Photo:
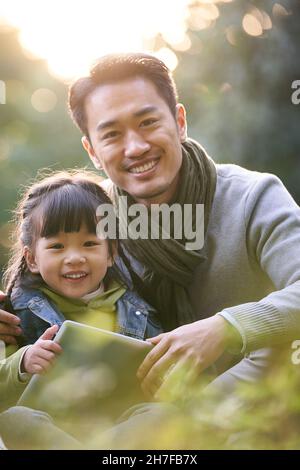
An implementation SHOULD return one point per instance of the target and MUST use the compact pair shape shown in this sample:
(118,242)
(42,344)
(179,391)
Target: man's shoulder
(236,172)
(234,176)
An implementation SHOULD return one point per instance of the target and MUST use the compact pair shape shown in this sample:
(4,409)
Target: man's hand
(197,345)
(41,355)
(9,328)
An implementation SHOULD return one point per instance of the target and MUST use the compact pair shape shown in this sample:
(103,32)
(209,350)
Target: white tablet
(94,376)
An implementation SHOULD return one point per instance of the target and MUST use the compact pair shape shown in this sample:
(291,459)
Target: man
(240,292)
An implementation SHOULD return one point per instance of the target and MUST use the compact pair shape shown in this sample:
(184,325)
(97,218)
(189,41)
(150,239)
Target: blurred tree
(235,80)
(237,87)
(35,129)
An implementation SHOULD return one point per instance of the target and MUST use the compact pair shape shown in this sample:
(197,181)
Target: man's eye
(110,135)
(148,122)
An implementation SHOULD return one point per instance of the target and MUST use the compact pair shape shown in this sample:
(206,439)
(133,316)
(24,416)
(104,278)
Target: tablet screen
(94,377)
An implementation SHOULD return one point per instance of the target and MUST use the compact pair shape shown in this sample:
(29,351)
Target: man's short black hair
(114,68)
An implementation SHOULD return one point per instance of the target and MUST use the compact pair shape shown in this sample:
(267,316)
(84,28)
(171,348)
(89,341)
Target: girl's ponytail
(18,270)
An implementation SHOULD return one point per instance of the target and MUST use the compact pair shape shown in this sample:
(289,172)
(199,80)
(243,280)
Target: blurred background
(234,63)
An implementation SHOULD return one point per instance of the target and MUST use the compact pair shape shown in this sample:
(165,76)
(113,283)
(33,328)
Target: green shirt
(99,312)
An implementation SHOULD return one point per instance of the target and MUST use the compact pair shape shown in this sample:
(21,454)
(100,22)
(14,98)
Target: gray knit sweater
(252,272)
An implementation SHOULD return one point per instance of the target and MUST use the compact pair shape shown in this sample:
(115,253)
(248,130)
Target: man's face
(135,138)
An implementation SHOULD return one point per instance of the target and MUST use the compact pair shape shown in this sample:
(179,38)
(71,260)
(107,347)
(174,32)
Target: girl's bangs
(66,210)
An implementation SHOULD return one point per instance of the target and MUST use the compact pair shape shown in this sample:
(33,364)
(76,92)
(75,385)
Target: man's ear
(30,260)
(181,122)
(89,149)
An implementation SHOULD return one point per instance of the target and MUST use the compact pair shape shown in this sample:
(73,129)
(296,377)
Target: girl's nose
(75,258)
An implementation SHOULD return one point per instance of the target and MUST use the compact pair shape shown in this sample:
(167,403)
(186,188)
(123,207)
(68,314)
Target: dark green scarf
(169,266)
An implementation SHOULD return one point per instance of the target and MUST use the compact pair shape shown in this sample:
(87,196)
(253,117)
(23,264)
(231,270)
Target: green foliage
(263,415)
(29,139)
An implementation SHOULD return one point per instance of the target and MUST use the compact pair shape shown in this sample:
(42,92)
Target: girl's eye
(56,246)
(91,243)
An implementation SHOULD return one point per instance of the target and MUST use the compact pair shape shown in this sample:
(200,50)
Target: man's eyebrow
(145,110)
(139,113)
(104,124)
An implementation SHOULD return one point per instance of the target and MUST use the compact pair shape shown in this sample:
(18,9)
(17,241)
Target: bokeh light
(251,25)
(43,100)
(70,36)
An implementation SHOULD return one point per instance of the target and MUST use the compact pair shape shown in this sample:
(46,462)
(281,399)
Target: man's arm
(272,219)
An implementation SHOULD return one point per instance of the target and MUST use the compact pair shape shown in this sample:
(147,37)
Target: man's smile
(142,168)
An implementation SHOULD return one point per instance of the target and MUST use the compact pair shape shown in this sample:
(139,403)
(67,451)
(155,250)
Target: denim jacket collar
(132,317)
(37,303)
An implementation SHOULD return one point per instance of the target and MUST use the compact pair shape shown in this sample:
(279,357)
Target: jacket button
(138,312)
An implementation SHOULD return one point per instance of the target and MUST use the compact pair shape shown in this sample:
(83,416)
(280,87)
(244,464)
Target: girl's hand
(41,355)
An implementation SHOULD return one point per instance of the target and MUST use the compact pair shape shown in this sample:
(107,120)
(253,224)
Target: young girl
(61,270)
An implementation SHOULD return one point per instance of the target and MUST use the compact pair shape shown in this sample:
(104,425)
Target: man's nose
(135,145)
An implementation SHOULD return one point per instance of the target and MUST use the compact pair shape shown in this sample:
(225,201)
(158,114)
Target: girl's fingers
(48,356)
(51,346)
(37,369)
(50,332)
(40,365)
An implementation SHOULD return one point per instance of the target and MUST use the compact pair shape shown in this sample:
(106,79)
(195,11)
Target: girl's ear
(30,260)
(111,257)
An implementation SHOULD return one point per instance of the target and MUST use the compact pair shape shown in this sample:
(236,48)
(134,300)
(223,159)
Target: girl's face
(72,264)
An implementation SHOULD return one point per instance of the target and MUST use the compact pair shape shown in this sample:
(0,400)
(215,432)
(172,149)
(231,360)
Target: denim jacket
(135,317)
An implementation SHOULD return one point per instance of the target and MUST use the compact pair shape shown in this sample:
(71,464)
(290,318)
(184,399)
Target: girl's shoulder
(32,298)
(21,296)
